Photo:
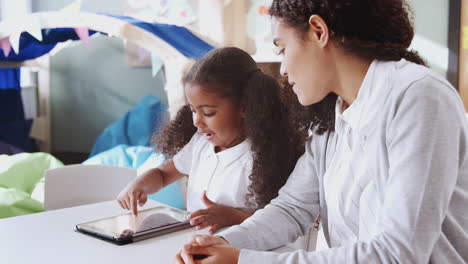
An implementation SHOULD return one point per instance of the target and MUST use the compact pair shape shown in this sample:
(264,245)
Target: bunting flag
(156,64)
(143,54)
(33,27)
(6,46)
(83,34)
(14,41)
(180,38)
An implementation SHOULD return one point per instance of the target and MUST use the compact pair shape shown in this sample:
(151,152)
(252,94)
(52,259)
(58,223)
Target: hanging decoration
(156,64)
(83,34)
(5,46)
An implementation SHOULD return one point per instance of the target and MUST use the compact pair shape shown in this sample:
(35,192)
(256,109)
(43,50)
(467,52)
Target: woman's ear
(318,30)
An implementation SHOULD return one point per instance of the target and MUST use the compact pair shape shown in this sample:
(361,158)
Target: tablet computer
(127,228)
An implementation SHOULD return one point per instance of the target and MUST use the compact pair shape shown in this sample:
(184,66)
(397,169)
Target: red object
(263,10)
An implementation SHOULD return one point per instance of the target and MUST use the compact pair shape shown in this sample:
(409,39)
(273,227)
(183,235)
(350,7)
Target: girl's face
(216,117)
(305,62)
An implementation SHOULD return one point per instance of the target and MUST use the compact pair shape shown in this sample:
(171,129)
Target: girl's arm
(137,191)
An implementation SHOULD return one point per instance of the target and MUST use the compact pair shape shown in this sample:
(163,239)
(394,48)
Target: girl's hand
(132,196)
(216,216)
(137,191)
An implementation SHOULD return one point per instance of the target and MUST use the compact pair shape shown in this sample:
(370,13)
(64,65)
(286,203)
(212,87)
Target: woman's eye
(279,51)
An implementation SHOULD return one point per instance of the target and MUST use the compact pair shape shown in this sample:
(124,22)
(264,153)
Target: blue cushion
(122,155)
(135,128)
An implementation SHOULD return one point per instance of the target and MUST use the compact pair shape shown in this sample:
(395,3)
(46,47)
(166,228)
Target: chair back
(80,184)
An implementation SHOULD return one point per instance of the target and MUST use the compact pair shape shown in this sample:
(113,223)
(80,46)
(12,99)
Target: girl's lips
(208,136)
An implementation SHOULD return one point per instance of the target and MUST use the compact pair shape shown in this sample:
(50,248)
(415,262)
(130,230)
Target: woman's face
(217,118)
(305,62)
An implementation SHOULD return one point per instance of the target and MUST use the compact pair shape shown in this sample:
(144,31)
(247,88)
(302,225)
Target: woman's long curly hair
(276,141)
(371,29)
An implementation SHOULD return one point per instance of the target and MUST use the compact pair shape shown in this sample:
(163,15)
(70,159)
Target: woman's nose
(283,70)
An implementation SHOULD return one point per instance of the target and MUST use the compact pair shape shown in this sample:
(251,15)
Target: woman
(386,167)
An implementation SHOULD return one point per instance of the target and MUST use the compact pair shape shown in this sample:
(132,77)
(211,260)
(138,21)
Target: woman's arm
(426,146)
(288,216)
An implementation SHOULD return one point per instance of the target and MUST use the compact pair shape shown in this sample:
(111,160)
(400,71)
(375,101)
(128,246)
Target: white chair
(76,185)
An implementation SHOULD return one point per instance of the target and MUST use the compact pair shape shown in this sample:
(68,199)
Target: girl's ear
(318,30)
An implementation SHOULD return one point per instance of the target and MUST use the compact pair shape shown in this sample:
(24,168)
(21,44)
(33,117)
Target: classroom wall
(90,89)
(114,7)
(431,22)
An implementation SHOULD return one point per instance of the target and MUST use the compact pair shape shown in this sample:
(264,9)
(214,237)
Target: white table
(50,238)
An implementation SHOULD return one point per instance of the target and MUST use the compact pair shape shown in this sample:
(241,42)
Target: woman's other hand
(206,249)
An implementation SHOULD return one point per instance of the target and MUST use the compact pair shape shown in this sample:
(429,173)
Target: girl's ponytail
(276,145)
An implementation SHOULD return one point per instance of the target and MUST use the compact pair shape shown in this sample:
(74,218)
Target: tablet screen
(128,224)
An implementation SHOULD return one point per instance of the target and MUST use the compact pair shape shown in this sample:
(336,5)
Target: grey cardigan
(414,144)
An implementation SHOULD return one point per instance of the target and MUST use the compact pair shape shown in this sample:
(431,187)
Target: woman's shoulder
(404,75)
(408,83)
(416,92)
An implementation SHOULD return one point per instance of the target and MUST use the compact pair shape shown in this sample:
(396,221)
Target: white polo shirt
(224,175)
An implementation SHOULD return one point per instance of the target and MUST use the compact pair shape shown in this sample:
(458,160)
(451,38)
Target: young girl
(232,138)
(386,168)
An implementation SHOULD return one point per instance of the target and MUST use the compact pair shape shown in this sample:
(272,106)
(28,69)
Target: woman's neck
(351,71)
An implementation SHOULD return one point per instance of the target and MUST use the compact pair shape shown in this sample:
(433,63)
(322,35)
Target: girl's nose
(198,121)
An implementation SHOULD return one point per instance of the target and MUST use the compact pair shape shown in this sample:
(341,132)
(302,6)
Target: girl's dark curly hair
(276,143)
(370,29)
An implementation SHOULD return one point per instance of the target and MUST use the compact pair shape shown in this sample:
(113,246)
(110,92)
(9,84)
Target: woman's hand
(216,216)
(208,255)
(206,249)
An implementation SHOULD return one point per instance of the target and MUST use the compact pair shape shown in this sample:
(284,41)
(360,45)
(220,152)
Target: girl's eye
(209,114)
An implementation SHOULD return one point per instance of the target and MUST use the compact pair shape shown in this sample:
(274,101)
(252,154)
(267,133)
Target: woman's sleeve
(183,159)
(287,217)
(426,141)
